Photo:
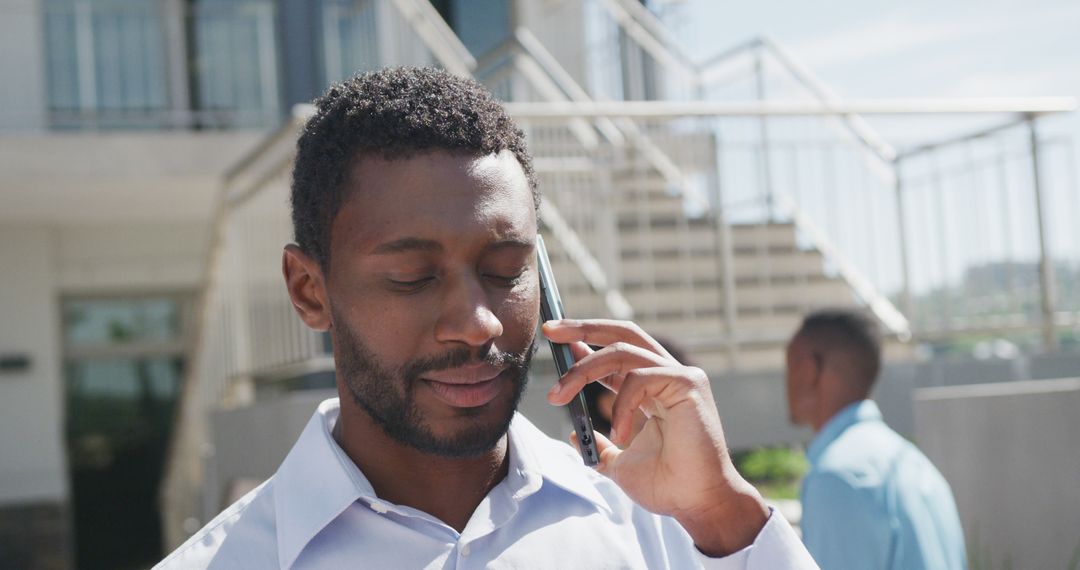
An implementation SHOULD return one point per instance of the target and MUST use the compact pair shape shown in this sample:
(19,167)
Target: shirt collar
(860,411)
(317,481)
(539,458)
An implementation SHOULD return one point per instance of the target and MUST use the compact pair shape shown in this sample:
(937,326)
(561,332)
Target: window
(235,76)
(350,38)
(105,62)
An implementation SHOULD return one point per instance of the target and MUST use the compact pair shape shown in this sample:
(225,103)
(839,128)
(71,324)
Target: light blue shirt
(873,500)
(319,511)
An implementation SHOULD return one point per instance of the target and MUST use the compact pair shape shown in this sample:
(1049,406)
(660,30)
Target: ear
(307,287)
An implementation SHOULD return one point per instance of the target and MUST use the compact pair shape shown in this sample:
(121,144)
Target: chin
(466,432)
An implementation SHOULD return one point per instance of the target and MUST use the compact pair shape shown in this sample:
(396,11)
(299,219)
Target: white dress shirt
(319,511)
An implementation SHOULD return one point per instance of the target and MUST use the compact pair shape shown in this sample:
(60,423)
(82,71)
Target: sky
(955,48)
(916,48)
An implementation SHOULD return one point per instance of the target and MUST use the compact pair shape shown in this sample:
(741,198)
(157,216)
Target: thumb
(609,455)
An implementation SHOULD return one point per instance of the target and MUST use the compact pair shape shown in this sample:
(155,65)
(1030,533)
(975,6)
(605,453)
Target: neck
(834,406)
(449,489)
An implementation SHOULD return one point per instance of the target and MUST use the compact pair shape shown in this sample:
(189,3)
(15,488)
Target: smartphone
(551,308)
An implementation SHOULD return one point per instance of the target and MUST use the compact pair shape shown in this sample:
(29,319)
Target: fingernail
(555,389)
(614,435)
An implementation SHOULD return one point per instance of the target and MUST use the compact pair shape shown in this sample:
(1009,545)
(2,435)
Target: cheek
(388,326)
(519,312)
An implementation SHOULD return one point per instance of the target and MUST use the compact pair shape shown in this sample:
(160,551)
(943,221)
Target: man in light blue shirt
(871,499)
(415,211)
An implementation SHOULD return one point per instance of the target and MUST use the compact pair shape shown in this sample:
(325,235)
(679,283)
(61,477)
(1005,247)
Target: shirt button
(465,550)
(379,507)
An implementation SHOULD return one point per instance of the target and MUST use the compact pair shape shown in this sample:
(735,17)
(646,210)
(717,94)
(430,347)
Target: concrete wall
(251,442)
(32,468)
(1010,453)
(22,66)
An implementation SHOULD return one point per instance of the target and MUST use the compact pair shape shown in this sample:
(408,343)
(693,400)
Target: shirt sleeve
(776,547)
(843,525)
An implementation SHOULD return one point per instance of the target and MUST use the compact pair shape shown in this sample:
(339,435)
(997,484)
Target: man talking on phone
(415,217)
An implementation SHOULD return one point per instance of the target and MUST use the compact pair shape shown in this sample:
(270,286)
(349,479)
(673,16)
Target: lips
(466,387)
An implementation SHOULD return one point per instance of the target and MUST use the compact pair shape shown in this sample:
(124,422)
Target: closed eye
(506,280)
(409,286)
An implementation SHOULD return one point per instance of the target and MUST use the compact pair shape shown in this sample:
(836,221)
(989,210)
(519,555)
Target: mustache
(465,356)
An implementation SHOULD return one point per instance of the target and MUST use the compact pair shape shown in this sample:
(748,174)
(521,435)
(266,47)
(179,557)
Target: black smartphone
(551,308)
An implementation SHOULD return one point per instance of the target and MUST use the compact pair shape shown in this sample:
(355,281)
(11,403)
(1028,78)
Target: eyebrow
(409,244)
(512,243)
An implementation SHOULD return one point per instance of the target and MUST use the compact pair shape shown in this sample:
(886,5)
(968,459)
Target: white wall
(32,460)
(129,258)
(22,67)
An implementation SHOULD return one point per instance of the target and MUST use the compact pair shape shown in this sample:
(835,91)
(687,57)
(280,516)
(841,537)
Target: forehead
(439,195)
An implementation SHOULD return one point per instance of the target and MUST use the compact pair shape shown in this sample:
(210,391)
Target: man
(414,206)
(871,499)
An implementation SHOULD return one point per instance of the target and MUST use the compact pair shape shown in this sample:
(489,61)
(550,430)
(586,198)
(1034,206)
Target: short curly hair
(394,113)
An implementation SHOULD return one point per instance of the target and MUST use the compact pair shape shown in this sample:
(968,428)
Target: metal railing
(898,242)
(758,71)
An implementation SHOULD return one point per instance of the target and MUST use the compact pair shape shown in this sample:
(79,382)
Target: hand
(678,465)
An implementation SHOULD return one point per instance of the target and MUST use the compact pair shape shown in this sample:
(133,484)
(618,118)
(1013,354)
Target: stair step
(786,265)
(668,233)
(828,292)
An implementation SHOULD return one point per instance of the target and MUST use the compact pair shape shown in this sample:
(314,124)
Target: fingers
(602,332)
(609,365)
(579,350)
(652,390)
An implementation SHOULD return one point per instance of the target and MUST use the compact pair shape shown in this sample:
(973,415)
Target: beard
(387,394)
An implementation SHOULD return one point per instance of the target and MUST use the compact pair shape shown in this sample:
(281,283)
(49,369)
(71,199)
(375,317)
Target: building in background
(150,364)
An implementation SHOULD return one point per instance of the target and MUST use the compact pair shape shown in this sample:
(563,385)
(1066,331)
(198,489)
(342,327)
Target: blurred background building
(151,368)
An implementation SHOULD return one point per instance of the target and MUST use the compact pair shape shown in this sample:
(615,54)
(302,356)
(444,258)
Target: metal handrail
(579,253)
(437,36)
(535,49)
(637,21)
(1036,106)
(617,132)
(644,29)
(878,303)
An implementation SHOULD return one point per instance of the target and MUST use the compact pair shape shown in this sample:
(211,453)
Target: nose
(467,316)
